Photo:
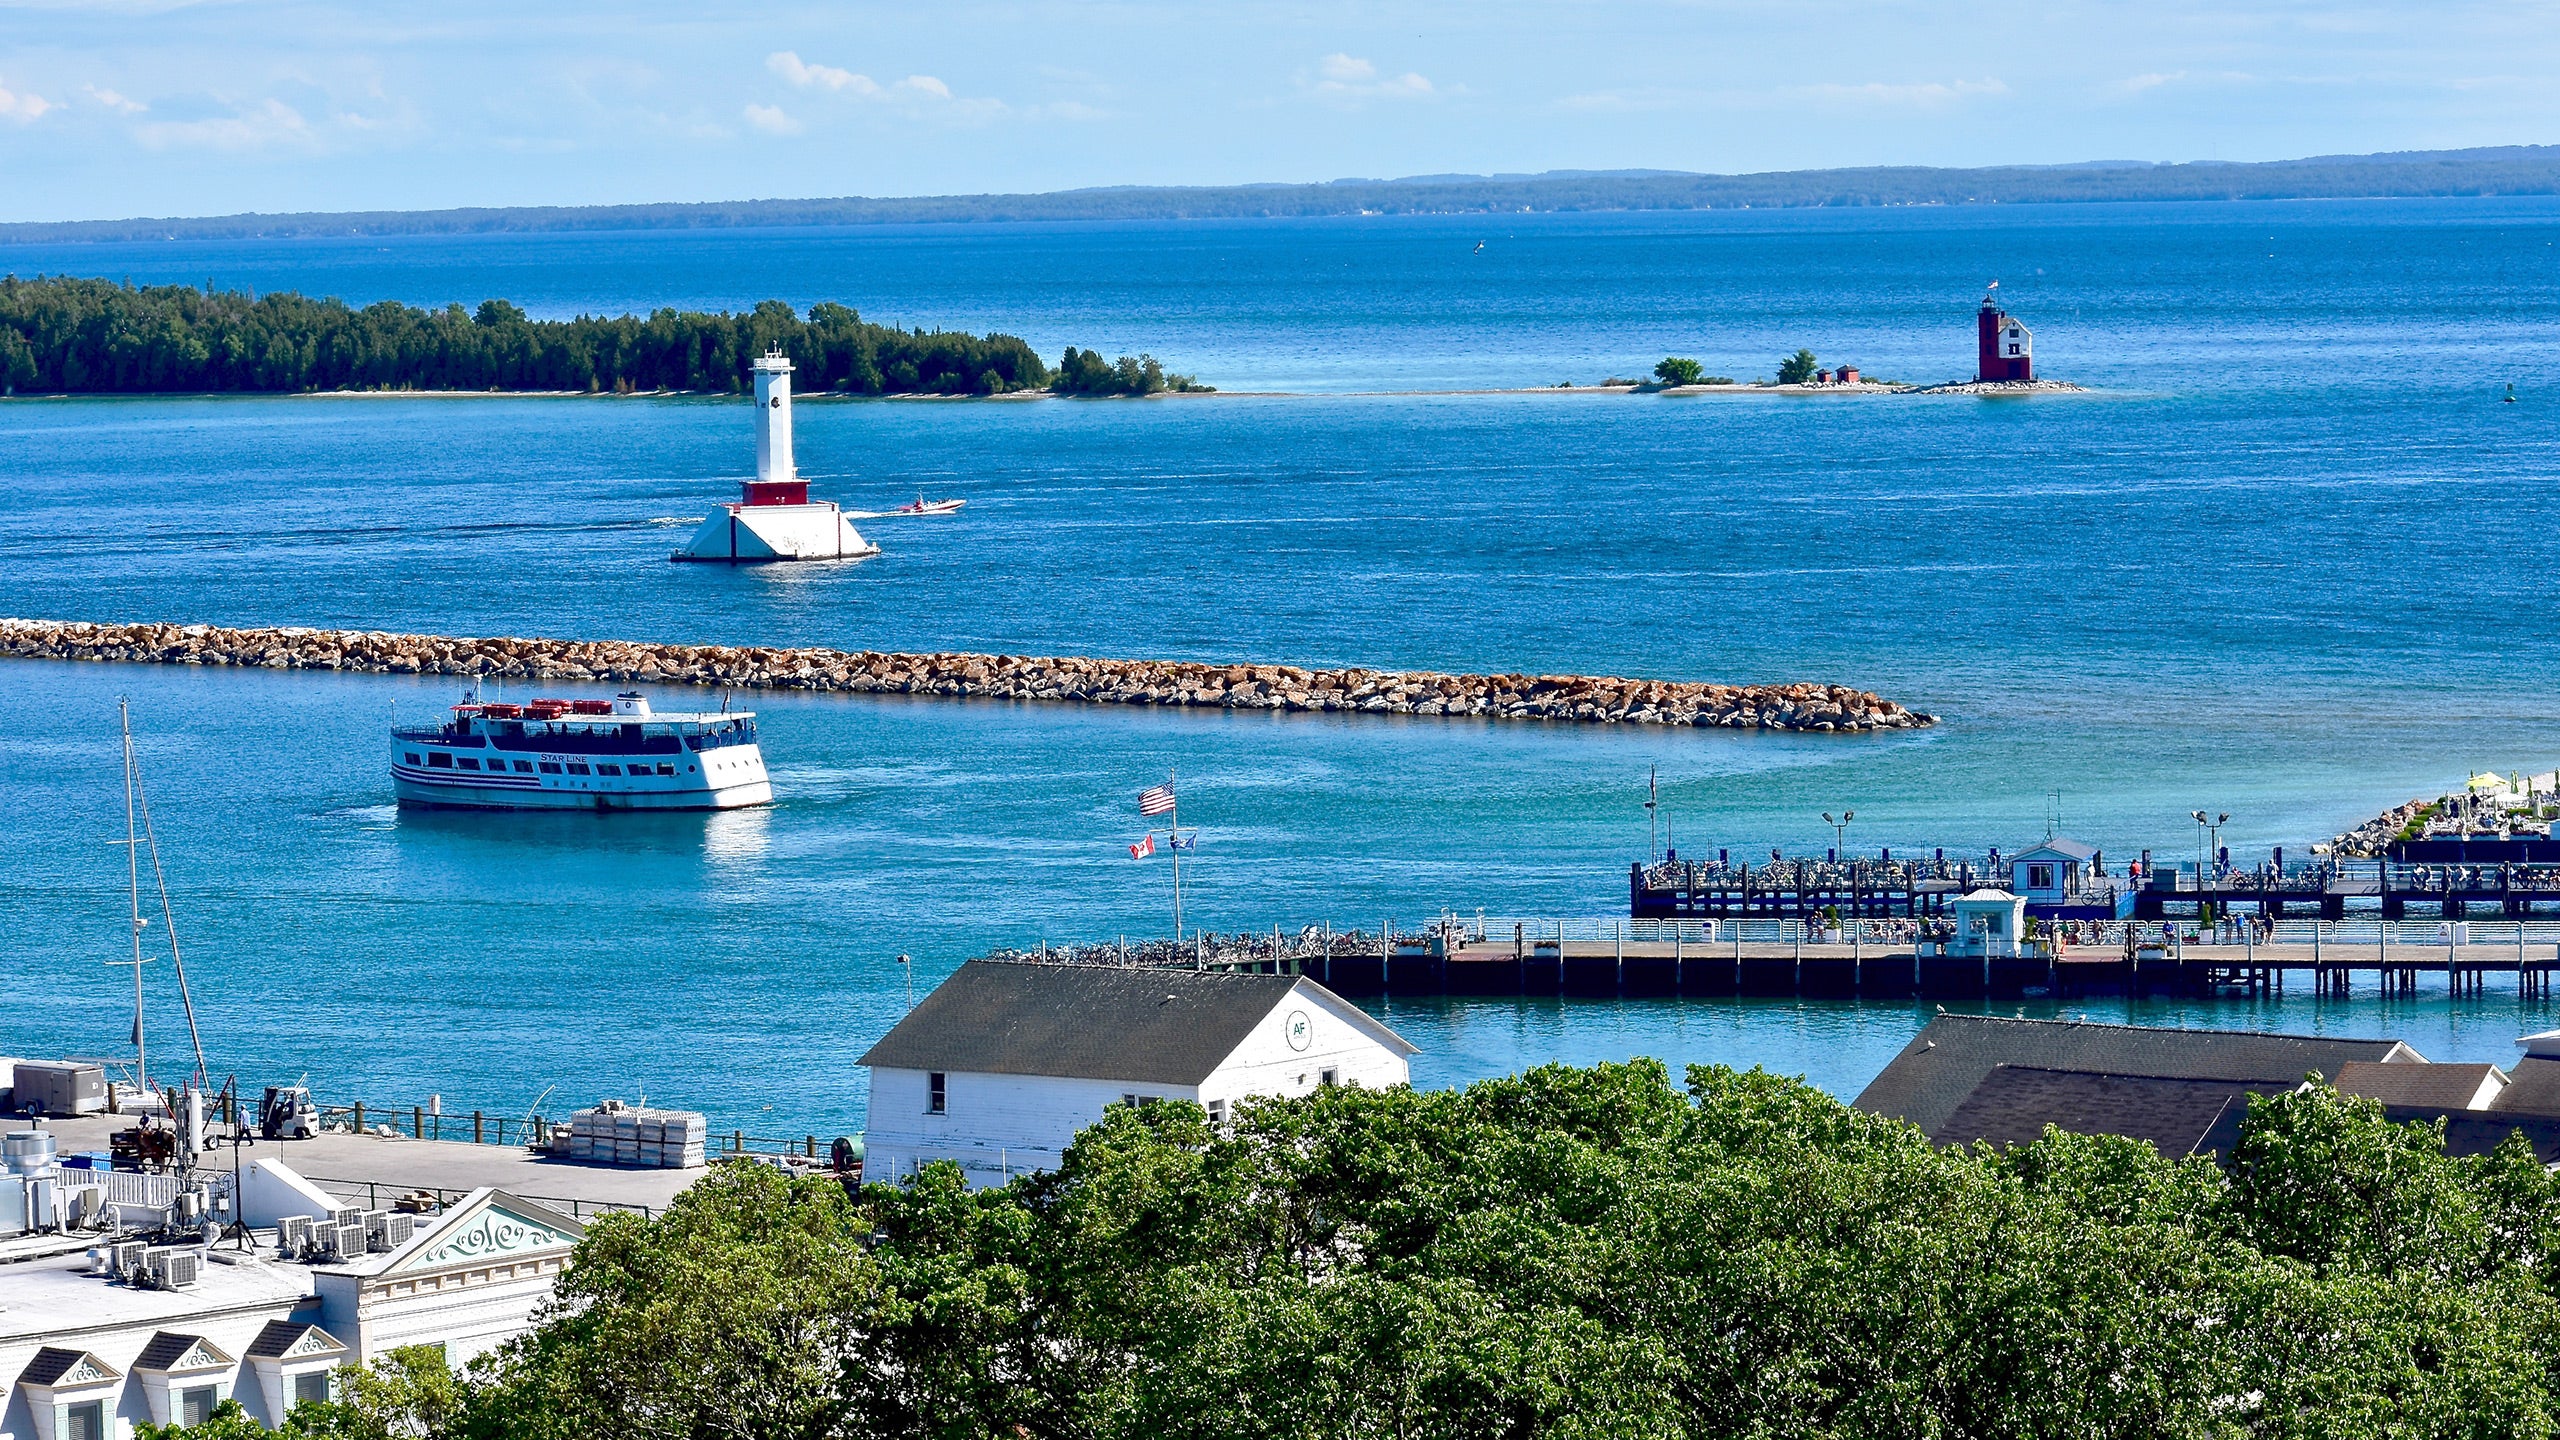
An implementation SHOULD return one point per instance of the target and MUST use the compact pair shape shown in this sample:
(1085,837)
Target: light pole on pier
(1839,831)
(1652,795)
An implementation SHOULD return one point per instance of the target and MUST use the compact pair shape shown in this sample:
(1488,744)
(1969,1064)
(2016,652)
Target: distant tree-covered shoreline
(2491,170)
(81,336)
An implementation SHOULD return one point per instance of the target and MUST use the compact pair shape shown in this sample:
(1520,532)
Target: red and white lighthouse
(2004,349)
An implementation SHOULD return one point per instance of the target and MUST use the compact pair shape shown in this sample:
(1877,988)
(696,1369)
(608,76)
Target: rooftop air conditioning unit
(125,1257)
(389,1230)
(348,1215)
(173,1269)
(352,1241)
(293,1234)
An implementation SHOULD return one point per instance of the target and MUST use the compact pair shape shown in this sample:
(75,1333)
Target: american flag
(1155,800)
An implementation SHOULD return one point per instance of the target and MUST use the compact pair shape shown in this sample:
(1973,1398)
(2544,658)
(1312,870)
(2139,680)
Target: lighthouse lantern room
(775,519)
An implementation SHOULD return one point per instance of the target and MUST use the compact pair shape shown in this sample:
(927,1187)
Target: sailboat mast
(133,878)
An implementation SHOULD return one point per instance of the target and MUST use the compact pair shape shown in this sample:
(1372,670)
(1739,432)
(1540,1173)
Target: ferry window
(438,760)
(411,756)
(608,769)
(576,768)
(666,769)
(550,767)
(524,767)
(936,1094)
(467,763)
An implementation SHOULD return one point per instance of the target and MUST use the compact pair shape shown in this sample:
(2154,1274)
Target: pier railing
(479,1127)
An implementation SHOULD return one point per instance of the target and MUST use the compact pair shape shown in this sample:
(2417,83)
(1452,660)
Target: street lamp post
(1839,831)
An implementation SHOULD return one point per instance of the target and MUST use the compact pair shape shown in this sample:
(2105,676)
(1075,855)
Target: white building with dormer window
(85,1356)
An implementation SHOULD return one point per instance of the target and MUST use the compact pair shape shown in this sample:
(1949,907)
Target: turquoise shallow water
(2293,561)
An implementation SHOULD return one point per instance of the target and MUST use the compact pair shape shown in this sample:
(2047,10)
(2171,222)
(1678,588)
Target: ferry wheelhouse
(613,754)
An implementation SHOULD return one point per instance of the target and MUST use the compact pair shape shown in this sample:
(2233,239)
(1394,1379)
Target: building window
(195,1404)
(85,1421)
(937,1098)
(311,1385)
(2039,877)
(2013,349)
(1328,1076)
(1217,1112)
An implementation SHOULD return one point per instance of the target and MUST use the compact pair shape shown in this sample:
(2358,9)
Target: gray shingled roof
(2533,1088)
(1166,1027)
(53,1362)
(1943,1063)
(280,1336)
(2429,1087)
(2014,1103)
(169,1347)
(2060,845)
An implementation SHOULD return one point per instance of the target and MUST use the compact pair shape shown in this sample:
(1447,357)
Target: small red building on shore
(2005,349)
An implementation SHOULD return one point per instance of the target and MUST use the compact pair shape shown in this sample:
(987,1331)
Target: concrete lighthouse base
(755,534)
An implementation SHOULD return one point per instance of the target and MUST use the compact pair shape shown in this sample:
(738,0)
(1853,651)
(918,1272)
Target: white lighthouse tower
(775,519)
(773,420)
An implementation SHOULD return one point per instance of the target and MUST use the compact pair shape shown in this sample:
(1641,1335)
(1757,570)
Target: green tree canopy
(1676,371)
(1798,368)
(1567,1253)
(95,337)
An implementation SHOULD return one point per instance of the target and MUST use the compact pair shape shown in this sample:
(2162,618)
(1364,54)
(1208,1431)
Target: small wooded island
(66,335)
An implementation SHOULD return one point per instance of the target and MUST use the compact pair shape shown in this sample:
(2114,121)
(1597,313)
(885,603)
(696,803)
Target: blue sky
(121,109)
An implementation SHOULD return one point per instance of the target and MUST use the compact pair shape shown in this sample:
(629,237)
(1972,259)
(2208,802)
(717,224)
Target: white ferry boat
(613,754)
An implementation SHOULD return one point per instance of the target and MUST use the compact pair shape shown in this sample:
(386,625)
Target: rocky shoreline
(1584,699)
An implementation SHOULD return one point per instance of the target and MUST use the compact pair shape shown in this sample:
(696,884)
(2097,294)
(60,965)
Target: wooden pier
(1613,968)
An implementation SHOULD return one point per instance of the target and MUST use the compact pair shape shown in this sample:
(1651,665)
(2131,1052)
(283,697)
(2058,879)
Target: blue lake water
(2293,560)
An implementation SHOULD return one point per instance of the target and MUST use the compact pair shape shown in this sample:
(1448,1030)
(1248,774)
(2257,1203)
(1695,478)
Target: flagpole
(1176,813)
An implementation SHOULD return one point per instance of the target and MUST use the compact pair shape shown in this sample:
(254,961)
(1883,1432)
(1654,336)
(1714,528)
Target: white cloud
(114,101)
(22,108)
(1926,96)
(1351,77)
(2136,84)
(791,67)
(918,94)
(771,120)
(259,127)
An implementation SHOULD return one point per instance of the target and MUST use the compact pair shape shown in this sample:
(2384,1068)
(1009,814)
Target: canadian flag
(1143,848)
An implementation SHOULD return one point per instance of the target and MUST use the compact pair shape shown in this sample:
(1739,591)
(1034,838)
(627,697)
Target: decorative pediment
(174,1354)
(490,1226)
(315,1342)
(288,1340)
(60,1369)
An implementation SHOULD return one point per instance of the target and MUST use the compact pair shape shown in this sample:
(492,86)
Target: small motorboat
(927,507)
(922,506)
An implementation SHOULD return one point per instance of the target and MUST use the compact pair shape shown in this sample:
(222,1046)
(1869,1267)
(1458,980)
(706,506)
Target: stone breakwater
(1074,679)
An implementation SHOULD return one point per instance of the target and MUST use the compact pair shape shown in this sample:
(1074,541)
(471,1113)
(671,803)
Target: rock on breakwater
(1588,699)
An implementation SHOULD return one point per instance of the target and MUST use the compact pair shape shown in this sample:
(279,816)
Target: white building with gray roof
(1004,1062)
